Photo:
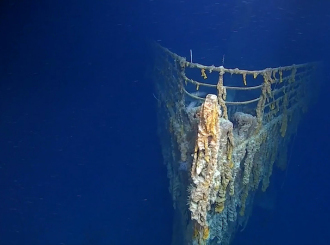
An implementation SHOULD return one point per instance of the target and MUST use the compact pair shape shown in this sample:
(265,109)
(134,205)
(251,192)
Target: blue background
(80,157)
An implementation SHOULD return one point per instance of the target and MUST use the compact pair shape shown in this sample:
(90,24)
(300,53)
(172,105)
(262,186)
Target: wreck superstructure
(222,131)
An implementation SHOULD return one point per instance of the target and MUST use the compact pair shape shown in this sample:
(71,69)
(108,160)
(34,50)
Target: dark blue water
(80,158)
